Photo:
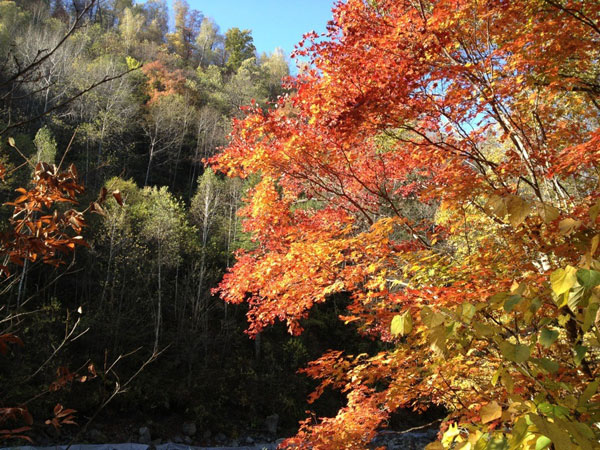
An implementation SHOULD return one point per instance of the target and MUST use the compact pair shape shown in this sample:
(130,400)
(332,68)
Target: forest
(403,234)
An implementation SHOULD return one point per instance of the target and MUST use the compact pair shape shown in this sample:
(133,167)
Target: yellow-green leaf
(560,438)
(580,351)
(563,279)
(518,353)
(402,324)
(542,443)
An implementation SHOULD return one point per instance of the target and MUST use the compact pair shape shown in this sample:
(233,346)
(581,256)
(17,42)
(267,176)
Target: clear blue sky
(274,23)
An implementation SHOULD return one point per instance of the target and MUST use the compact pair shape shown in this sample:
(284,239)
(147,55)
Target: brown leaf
(117,195)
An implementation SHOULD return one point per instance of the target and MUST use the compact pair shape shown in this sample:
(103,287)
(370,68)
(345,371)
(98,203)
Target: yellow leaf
(401,324)
(594,244)
(568,225)
(496,206)
(518,210)
(562,280)
(548,213)
(490,412)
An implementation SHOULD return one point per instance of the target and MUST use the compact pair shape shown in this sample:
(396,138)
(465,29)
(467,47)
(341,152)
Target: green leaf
(589,391)
(519,432)
(579,434)
(542,443)
(580,351)
(497,442)
(490,412)
(547,337)
(548,365)
(511,302)
(559,438)
(589,316)
(402,324)
(507,381)
(499,297)
(562,280)
(518,353)
(482,330)
(589,279)
(467,311)
(536,303)
(552,411)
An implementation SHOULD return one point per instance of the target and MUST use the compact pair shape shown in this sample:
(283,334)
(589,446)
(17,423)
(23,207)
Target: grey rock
(271,423)
(249,440)
(187,440)
(206,435)
(96,435)
(156,442)
(189,428)
(220,438)
(145,436)
(177,439)
(415,440)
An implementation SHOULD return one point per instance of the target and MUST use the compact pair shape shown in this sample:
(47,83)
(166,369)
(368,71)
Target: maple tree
(439,164)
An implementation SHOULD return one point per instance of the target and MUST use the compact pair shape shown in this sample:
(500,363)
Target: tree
(490,303)
(277,68)
(163,227)
(165,126)
(187,25)
(239,47)
(208,37)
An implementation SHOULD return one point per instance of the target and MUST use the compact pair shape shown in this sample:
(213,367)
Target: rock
(96,435)
(271,423)
(189,429)
(220,438)
(187,440)
(145,436)
(249,440)
(177,439)
(414,440)
(206,435)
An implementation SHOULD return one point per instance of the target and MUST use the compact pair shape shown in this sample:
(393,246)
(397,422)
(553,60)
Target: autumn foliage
(439,164)
(42,229)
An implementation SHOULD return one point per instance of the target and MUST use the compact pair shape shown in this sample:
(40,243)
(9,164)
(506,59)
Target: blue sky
(274,23)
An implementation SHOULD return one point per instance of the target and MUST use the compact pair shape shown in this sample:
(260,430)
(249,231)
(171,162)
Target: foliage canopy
(439,163)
